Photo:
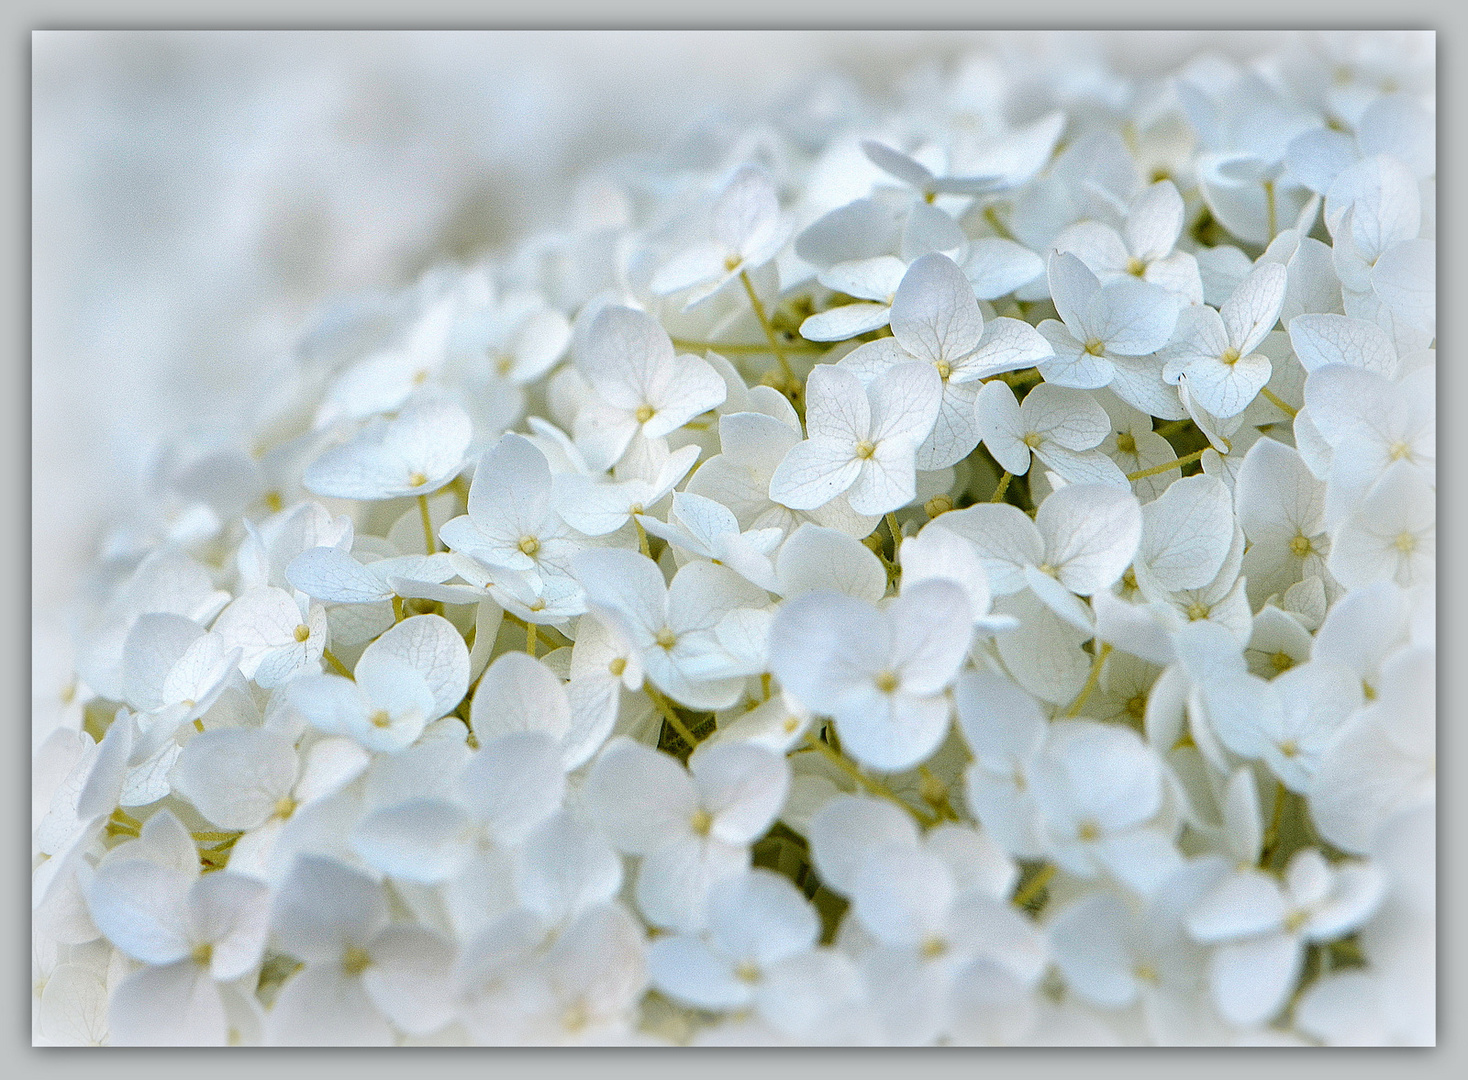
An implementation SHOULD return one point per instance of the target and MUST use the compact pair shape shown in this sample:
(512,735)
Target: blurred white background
(196,195)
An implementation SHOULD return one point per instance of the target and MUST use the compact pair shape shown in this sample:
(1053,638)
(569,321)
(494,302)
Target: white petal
(1252,979)
(935,315)
(642,798)
(1091,532)
(434,648)
(743,786)
(844,829)
(236,776)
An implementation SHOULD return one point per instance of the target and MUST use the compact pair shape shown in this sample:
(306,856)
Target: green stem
(1092,678)
(428,540)
(872,784)
(745,349)
(764,322)
(999,491)
(670,714)
(1279,403)
(1034,886)
(1157,470)
(330,658)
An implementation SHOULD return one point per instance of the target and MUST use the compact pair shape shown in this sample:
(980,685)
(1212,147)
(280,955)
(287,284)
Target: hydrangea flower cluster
(957,573)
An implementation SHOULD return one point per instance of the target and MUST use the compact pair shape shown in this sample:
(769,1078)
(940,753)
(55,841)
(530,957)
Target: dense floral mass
(954,573)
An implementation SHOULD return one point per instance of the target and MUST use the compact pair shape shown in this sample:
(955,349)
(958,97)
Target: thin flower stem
(896,531)
(642,542)
(428,540)
(1001,230)
(553,637)
(1271,208)
(532,638)
(764,322)
(871,783)
(1034,886)
(1157,470)
(1279,402)
(330,658)
(999,491)
(670,714)
(1092,678)
(746,349)
(399,613)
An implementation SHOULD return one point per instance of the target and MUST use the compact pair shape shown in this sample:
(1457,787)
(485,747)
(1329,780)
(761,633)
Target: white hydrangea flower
(692,828)
(1108,335)
(881,673)
(640,732)
(640,386)
(416,453)
(936,320)
(862,440)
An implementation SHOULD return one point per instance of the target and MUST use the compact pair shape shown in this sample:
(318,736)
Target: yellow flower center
(1136,267)
(865,449)
(1289,748)
(417,479)
(1230,356)
(1089,831)
(1126,442)
(747,973)
(202,954)
(529,545)
(1406,543)
(645,413)
(666,638)
(302,632)
(732,261)
(1095,347)
(887,681)
(944,369)
(285,806)
(1198,610)
(938,504)
(381,719)
(1399,450)
(790,724)
(701,821)
(1294,920)
(933,947)
(356,960)
(617,666)
(1300,546)
(274,501)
